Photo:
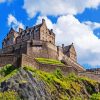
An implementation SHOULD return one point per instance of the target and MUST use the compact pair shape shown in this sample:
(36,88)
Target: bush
(9,95)
(58,73)
(89,89)
(95,96)
(7,70)
(72,77)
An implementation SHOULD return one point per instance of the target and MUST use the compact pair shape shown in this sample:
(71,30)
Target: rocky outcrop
(32,84)
(26,86)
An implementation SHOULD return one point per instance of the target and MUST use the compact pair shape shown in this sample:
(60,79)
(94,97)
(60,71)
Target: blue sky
(74,21)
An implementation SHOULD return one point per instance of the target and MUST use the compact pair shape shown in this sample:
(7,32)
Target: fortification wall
(73,63)
(7,59)
(51,46)
(15,49)
(25,60)
(36,49)
(60,53)
(28,61)
(51,68)
(37,52)
(7,50)
(52,51)
(42,49)
(90,75)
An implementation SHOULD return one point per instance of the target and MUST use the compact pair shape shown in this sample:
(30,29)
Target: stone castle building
(21,48)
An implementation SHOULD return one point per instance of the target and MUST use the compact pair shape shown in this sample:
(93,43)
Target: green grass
(7,72)
(49,61)
(57,82)
(95,96)
(69,87)
(7,69)
(56,79)
(93,82)
(9,95)
(14,72)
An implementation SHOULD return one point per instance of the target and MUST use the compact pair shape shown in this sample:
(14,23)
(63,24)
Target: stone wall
(16,49)
(7,59)
(51,51)
(39,49)
(60,53)
(73,64)
(25,60)
(51,68)
(42,49)
(28,61)
(90,75)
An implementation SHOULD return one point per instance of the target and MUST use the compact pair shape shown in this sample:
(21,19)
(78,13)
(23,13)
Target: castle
(21,48)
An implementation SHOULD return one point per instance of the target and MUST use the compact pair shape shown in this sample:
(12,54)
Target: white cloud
(92,25)
(13,22)
(93,3)
(68,29)
(58,7)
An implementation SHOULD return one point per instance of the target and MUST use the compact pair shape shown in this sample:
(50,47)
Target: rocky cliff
(26,83)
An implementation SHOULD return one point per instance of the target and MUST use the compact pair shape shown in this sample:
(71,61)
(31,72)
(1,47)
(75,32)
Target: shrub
(95,96)
(89,89)
(9,95)
(58,73)
(14,72)
(72,77)
(7,70)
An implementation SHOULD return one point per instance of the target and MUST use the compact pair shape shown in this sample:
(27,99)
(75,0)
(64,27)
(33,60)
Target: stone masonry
(21,48)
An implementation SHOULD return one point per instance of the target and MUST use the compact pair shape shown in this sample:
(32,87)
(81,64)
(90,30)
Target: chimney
(20,30)
(43,21)
(51,30)
(62,45)
(72,44)
(26,27)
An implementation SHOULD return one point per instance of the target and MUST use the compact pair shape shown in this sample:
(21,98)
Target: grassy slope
(66,87)
(49,61)
(59,86)
(7,72)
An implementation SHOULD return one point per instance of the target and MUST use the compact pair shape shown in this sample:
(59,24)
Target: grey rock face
(27,86)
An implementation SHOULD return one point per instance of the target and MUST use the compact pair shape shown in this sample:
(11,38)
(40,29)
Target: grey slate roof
(67,48)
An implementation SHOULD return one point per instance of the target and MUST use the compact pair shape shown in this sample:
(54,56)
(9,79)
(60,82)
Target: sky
(73,21)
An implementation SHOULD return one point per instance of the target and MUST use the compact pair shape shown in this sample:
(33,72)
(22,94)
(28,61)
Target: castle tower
(10,39)
(46,34)
(70,52)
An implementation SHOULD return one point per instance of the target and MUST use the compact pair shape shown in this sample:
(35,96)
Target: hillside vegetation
(27,83)
(49,61)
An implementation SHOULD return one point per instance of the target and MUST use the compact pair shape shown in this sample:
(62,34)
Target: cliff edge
(26,83)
